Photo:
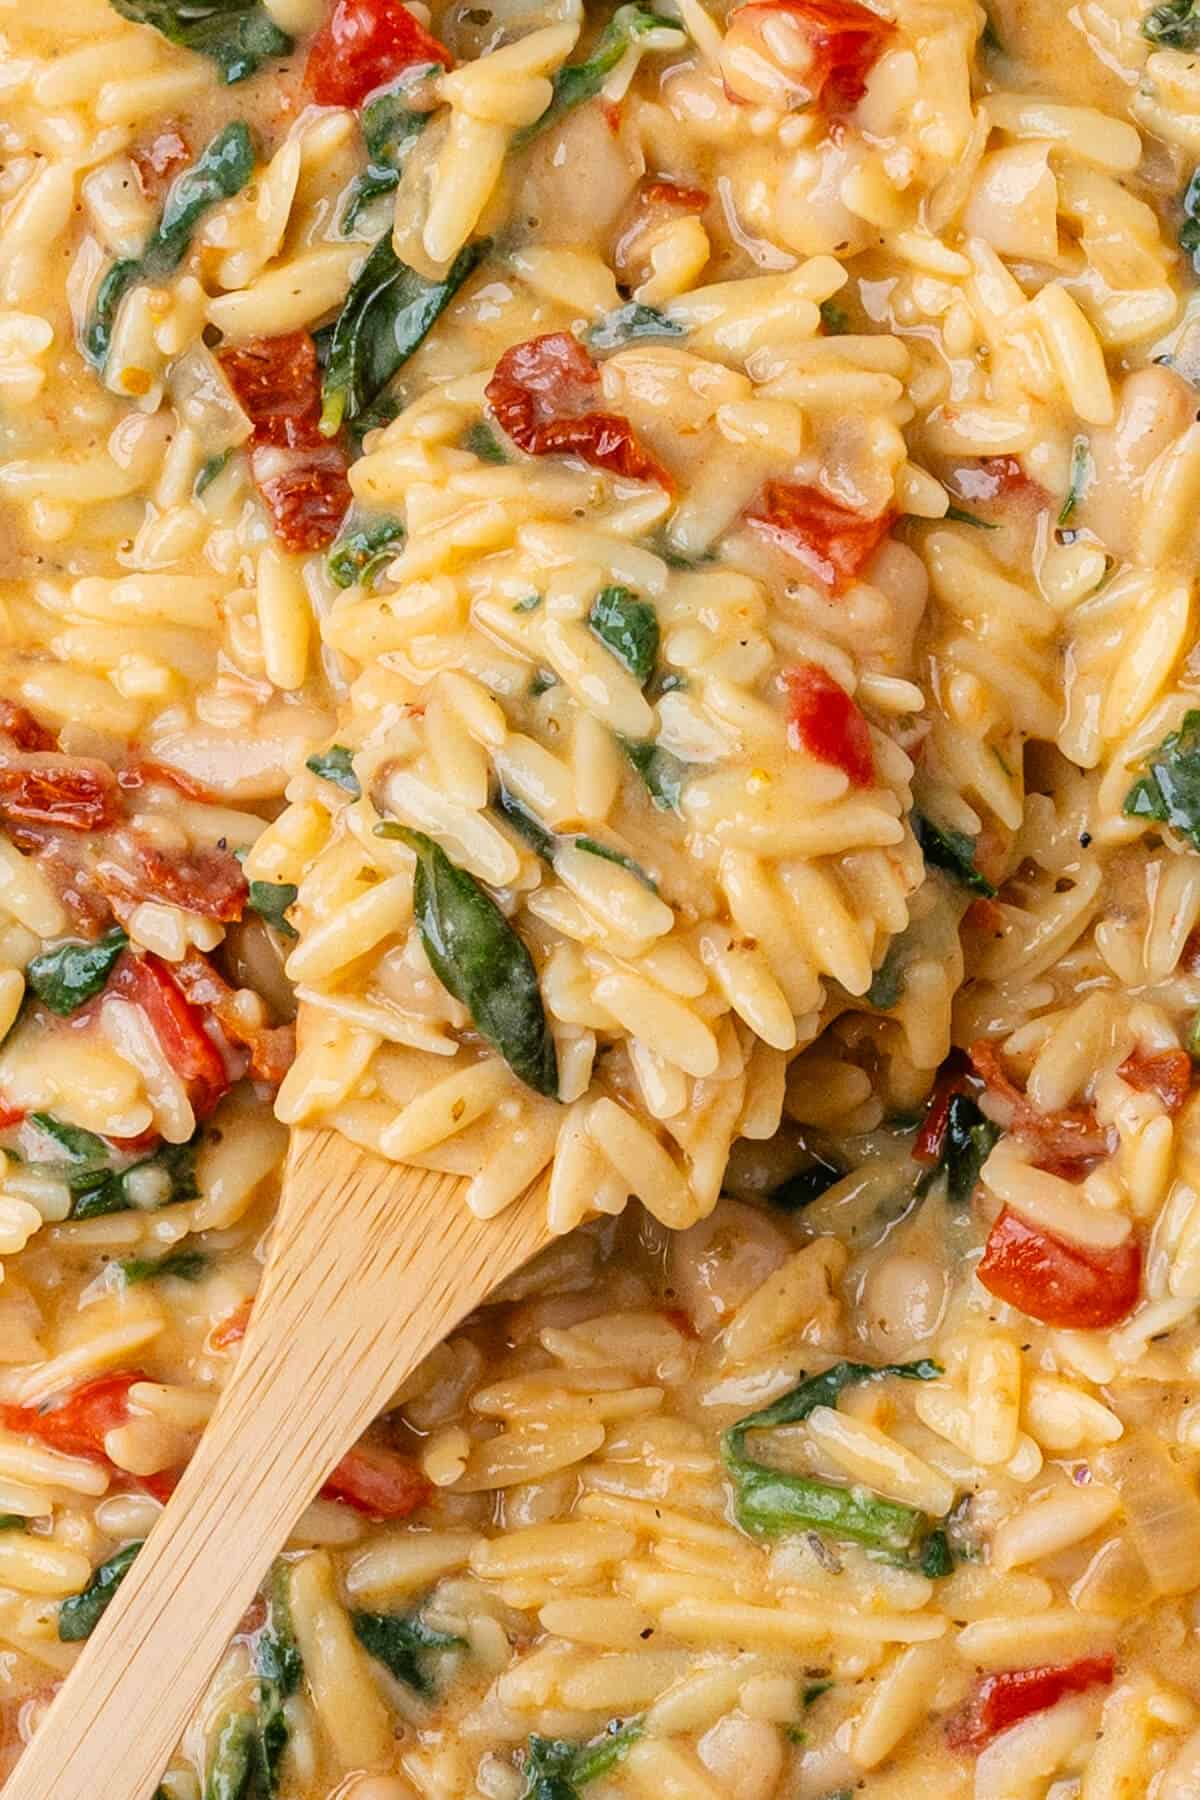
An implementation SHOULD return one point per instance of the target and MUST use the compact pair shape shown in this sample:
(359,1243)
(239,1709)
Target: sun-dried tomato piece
(540,395)
(145,772)
(1167,1073)
(18,723)
(1063,1141)
(379,1482)
(277,381)
(832,541)
(272,1047)
(1004,1699)
(674,195)
(207,882)
(363,44)
(1060,1283)
(829,49)
(73,792)
(300,475)
(824,721)
(178,1026)
(78,1423)
(232,1328)
(930,1139)
(159,160)
(306,493)
(10,1115)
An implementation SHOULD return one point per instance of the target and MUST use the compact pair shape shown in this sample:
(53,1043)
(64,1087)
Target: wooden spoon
(371,1265)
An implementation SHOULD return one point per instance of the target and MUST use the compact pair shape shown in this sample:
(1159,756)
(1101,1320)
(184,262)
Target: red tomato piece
(1167,1073)
(277,381)
(207,882)
(540,394)
(300,475)
(379,1482)
(1057,1282)
(78,1424)
(1063,1140)
(20,725)
(178,1026)
(832,541)
(147,773)
(74,792)
(10,1115)
(362,45)
(1005,1699)
(932,1135)
(159,160)
(272,1047)
(824,53)
(824,721)
(232,1328)
(306,492)
(674,195)
(161,1485)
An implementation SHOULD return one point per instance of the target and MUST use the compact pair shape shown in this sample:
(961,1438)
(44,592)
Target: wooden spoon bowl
(371,1264)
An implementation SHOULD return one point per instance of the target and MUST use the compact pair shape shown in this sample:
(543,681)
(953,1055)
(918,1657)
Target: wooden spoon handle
(348,1306)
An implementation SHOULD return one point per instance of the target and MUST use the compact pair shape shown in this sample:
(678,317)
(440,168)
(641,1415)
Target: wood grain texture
(370,1266)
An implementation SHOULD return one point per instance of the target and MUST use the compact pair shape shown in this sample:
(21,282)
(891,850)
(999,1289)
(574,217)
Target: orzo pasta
(633,567)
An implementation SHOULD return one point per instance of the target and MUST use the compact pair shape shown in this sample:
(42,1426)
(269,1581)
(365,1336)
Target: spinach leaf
(239,35)
(887,983)
(952,851)
(389,311)
(834,318)
(527,824)
(68,977)
(1189,231)
(529,604)
(1169,791)
(548,843)
(960,516)
(98,1186)
(482,442)
(629,628)
(1175,25)
(592,848)
(806,1185)
(794,1407)
(769,1502)
(208,472)
(270,900)
(397,1640)
(221,170)
(548,1770)
(184,1265)
(1081,474)
(629,324)
(478,957)
(662,773)
(937,1558)
(13,1522)
(602,1754)
(556,1769)
(578,82)
(279,1665)
(233,1763)
(81,1146)
(391,126)
(335,765)
(364,546)
(967,1142)
(79,1614)
(276,1653)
